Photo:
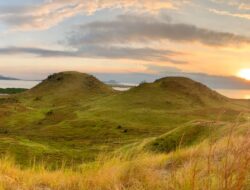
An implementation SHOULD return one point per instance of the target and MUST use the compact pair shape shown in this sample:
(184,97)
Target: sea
(18,83)
(231,93)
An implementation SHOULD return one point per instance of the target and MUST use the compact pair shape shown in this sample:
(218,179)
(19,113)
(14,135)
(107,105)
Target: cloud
(232,8)
(227,13)
(239,4)
(52,12)
(34,51)
(162,69)
(143,54)
(148,29)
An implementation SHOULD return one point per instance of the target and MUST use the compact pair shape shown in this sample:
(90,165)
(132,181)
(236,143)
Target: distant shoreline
(18,84)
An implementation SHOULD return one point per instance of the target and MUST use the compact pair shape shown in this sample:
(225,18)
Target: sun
(244,73)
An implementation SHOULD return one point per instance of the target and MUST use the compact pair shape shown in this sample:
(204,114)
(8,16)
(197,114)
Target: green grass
(187,135)
(213,165)
(12,90)
(73,116)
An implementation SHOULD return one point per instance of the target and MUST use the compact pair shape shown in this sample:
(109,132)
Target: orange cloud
(52,12)
(226,13)
(238,9)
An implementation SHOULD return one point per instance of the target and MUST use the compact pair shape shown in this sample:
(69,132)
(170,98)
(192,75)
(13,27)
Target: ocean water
(18,84)
(238,94)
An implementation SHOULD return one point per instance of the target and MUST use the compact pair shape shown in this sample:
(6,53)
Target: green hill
(186,135)
(74,116)
(172,93)
(68,87)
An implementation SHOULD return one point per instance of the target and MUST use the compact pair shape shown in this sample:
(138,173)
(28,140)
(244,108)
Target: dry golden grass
(221,165)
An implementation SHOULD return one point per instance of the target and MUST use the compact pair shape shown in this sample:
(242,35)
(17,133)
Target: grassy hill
(171,93)
(75,117)
(213,164)
(67,87)
(74,132)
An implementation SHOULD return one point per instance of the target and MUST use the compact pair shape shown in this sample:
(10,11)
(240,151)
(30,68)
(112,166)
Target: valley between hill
(74,117)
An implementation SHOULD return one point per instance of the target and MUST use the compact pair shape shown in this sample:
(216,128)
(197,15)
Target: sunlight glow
(244,73)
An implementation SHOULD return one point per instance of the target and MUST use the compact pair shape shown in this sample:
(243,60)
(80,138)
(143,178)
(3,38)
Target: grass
(73,132)
(211,165)
(12,90)
(191,133)
(75,117)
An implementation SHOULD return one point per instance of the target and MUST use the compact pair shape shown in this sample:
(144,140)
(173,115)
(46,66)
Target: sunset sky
(208,38)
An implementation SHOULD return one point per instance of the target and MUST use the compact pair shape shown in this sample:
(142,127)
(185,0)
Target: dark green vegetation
(73,116)
(12,90)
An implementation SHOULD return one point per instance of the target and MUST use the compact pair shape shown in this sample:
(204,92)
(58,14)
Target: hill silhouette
(167,93)
(69,86)
(172,93)
(7,78)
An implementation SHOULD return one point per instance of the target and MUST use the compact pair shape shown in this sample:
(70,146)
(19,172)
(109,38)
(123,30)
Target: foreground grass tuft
(224,164)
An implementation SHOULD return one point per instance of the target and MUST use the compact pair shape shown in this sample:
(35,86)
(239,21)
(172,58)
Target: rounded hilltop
(187,85)
(171,92)
(183,85)
(174,92)
(69,86)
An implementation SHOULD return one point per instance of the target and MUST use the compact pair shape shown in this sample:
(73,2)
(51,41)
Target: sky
(127,40)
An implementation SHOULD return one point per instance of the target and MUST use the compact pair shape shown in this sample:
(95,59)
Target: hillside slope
(173,93)
(68,87)
(74,116)
(213,165)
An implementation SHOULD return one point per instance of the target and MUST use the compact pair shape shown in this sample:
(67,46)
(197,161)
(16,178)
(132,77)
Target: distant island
(115,84)
(10,90)
(7,78)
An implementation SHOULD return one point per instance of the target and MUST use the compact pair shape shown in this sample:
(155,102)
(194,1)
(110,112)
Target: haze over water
(18,84)
(237,94)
